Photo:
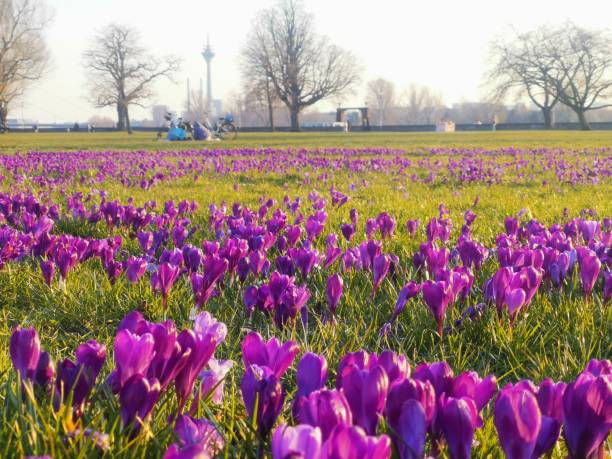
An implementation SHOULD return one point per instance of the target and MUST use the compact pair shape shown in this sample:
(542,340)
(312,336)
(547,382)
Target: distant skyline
(441,44)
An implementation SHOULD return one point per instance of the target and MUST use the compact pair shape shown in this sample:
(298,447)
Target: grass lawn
(146,140)
(557,336)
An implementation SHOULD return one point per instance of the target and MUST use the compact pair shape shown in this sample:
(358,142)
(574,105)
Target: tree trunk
(3,116)
(271,117)
(584,124)
(270,106)
(120,118)
(295,119)
(549,122)
(128,124)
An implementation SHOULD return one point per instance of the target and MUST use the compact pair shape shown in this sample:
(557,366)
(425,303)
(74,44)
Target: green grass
(146,140)
(555,339)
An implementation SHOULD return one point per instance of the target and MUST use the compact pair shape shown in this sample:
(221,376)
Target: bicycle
(224,128)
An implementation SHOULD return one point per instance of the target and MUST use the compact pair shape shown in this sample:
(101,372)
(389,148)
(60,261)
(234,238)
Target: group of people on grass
(184,130)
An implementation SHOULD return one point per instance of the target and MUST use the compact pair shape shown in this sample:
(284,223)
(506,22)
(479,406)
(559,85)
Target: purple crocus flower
(133,354)
(138,396)
(412,430)
(348,231)
(324,409)
(135,269)
(518,421)
(458,419)
(304,259)
(208,333)
(271,354)
(311,374)
(395,365)
(587,414)
(163,279)
(470,384)
(78,378)
(412,226)
(192,256)
(45,371)
(48,271)
(380,268)
(366,392)
(408,291)
(439,374)
(203,286)
(196,435)
(599,367)
(437,296)
(299,441)
(292,301)
(212,380)
(25,351)
(335,285)
(590,265)
(550,402)
(261,390)
(410,389)
(348,442)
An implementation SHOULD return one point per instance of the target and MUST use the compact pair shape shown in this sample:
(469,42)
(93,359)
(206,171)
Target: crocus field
(384,296)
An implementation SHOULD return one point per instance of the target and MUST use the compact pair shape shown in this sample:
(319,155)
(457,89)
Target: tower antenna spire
(208,55)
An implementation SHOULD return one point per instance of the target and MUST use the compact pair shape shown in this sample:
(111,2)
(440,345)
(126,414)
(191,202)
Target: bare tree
(523,65)
(23,54)
(422,104)
(381,98)
(582,76)
(303,67)
(195,107)
(122,73)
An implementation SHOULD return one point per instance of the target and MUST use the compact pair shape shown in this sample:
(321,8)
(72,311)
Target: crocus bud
(412,430)
(380,268)
(45,371)
(311,374)
(458,418)
(261,389)
(590,265)
(138,396)
(48,271)
(437,296)
(25,351)
(133,354)
(366,392)
(334,291)
(586,414)
(518,421)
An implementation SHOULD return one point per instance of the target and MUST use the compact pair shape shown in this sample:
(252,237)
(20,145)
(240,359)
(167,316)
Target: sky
(442,44)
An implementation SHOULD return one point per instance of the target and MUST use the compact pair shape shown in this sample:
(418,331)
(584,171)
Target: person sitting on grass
(200,132)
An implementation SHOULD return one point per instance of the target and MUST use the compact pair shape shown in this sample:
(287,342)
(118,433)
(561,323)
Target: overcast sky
(442,44)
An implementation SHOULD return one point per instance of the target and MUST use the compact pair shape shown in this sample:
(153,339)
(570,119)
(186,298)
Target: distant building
(158,112)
